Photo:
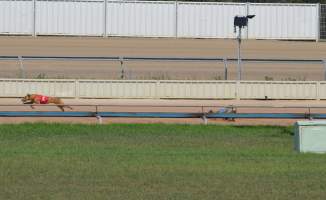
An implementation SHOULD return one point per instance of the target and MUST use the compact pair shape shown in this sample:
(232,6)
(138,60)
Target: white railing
(157,19)
(226,61)
(173,89)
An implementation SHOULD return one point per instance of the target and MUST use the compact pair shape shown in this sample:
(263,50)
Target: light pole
(240,22)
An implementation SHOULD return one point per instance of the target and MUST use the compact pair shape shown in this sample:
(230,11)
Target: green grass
(156,161)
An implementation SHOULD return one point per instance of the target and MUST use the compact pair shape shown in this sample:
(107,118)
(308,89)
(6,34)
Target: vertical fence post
(105,3)
(77,92)
(98,117)
(317,90)
(225,61)
(176,19)
(247,13)
(237,89)
(318,21)
(157,89)
(34,18)
(204,118)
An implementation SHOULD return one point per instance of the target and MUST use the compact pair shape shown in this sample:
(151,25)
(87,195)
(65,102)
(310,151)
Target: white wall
(69,17)
(208,20)
(175,89)
(157,19)
(116,89)
(278,89)
(283,21)
(16,17)
(136,18)
(20,87)
(196,89)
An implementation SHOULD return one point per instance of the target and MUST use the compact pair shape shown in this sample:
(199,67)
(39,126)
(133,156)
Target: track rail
(165,59)
(160,114)
(166,106)
(226,114)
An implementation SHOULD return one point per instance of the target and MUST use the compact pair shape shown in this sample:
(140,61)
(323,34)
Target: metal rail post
(204,118)
(239,55)
(21,66)
(225,61)
(248,11)
(99,119)
(122,75)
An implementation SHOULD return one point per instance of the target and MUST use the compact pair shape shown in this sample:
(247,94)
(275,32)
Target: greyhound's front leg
(34,102)
(30,102)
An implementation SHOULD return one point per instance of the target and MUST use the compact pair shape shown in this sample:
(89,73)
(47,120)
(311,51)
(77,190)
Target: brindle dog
(41,99)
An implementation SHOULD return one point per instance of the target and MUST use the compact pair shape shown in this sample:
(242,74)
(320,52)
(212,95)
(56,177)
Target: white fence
(208,20)
(165,89)
(157,19)
(136,18)
(16,17)
(19,87)
(282,21)
(69,17)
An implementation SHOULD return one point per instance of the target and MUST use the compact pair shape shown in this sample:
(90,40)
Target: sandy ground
(162,105)
(160,47)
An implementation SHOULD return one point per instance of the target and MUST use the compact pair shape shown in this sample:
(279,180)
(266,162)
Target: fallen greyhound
(227,109)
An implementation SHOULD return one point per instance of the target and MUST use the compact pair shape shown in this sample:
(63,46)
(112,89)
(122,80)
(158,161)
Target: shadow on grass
(286,130)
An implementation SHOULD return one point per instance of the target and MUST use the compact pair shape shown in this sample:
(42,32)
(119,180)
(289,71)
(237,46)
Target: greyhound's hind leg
(61,108)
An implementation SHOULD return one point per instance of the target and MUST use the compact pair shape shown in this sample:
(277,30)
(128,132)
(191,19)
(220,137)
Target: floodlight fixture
(240,22)
(250,16)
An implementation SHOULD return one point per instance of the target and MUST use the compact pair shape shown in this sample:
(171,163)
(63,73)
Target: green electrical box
(310,136)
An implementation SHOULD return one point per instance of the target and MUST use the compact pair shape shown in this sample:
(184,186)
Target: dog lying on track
(41,99)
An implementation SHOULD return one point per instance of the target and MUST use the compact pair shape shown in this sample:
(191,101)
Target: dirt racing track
(160,47)
(83,46)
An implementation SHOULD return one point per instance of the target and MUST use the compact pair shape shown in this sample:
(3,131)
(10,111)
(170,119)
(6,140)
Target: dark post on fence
(240,22)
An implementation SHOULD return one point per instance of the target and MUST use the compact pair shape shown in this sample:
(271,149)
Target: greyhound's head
(26,98)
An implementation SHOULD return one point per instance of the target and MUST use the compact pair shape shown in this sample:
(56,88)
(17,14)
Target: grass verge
(156,161)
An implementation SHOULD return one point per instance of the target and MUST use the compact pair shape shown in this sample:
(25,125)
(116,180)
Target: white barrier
(16,17)
(137,18)
(208,20)
(69,18)
(116,89)
(20,87)
(196,89)
(157,19)
(278,89)
(174,89)
(282,21)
